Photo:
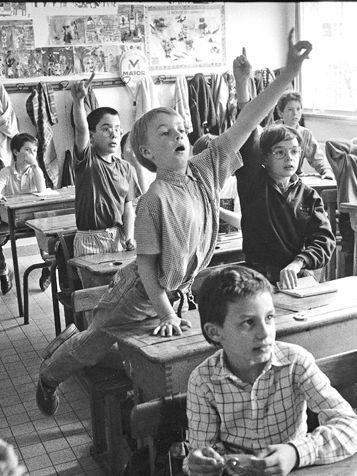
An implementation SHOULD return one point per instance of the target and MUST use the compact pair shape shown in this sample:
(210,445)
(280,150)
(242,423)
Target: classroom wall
(261,27)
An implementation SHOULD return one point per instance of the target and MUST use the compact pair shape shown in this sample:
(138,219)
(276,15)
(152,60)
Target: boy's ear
(213,331)
(145,152)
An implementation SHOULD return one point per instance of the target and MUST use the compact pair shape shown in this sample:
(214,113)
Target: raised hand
(242,69)
(79,89)
(297,53)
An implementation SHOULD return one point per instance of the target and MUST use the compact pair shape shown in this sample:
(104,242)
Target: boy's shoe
(6,282)
(45,279)
(46,398)
(70,331)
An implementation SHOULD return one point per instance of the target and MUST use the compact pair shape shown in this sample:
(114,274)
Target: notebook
(308,286)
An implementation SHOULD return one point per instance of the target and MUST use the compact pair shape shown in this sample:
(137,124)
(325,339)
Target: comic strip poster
(102,29)
(12,8)
(21,64)
(16,35)
(66,30)
(101,59)
(131,23)
(184,36)
(57,61)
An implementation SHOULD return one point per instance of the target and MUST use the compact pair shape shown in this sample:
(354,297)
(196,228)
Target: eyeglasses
(109,131)
(280,153)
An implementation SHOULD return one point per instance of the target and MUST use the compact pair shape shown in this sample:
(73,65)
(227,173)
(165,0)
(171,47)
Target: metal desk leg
(56,311)
(15,262)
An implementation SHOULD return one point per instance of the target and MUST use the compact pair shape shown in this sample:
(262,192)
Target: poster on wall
(185,36)
(16,35)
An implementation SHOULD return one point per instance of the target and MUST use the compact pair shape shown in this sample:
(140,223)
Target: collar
(18,174)
(175,177)
(221,371)
(293,181)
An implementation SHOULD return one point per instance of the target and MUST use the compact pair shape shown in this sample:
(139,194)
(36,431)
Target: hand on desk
(2,198)
(289,275)
(130,244)
(276,460)
(171,325)
(328,176)
(205,461)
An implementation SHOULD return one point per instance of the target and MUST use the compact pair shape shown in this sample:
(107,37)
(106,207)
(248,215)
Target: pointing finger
(244,51)
(88,81)
(290,37)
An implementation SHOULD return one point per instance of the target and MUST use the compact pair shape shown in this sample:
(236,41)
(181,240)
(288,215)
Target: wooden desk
(104,265)
(19,208)
(347,467)
(47,229)
(351,208)
(319,184)
(161,366)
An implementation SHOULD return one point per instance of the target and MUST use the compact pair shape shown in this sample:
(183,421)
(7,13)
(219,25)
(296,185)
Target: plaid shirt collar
(221,371)
(175,178)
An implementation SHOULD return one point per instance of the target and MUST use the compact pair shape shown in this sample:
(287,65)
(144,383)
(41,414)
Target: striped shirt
(231,415)
(177,218)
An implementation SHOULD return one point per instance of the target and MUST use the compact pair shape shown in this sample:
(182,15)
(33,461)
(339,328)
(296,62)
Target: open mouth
(180,148)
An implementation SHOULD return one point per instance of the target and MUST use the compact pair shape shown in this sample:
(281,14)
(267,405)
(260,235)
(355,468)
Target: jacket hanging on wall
(40,106)
(90,103)
(203,112)
(220,95)
(67,170)
(8,126)
(146,96)
(181,101)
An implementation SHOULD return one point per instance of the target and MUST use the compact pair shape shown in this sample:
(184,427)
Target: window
(329,77)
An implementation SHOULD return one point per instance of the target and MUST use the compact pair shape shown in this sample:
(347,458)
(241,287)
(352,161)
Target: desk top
(348,207)
(346,467)
(316,182)
(228,242)
(104,263)
(28,200)
(320,310)
(52,225)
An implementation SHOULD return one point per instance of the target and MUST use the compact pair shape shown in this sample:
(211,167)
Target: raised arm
(79,90)
(255,111)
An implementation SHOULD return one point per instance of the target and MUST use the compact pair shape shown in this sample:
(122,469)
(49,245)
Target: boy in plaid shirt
(251,396)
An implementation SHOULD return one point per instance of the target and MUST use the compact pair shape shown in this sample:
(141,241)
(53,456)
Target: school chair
(110,395)
(335,267)
(48,258)
(147,420)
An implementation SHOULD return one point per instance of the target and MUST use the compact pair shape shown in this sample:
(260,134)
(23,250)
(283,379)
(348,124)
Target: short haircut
(138,134)
(227,285)
(123,140)
(276,133)
(287,97)
(202,143)
(19,140)
(95,116)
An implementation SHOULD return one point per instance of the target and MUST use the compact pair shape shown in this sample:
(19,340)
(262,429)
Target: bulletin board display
(56,41)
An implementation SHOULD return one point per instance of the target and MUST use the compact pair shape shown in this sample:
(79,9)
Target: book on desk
(308,286)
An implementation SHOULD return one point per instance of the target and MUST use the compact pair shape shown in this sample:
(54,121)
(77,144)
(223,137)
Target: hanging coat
(41,108)
(181,101)
(8,126)
(203,113)
(220,95)
(146,96)
(67,170)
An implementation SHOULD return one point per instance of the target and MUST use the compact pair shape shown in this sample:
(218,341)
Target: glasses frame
(287,152)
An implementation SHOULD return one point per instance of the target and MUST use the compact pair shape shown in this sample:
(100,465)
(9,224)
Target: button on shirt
(231,415)
(177,218)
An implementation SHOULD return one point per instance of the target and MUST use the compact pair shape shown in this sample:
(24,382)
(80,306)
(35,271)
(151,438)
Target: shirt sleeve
(134,190)
(336,436)
(320,241)
(314,155)
(203,419)
(4,178)
(147,228)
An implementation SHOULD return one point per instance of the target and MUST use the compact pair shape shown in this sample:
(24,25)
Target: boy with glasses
(286,232)
(105,184)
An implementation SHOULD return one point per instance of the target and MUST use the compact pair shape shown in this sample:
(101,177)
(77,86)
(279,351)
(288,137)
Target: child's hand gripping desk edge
(250,117)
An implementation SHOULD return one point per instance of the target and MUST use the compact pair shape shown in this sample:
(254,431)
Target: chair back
(68,278)
(329,197)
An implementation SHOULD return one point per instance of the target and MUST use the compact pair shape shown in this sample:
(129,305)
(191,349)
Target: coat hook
(20,86)
(63,84)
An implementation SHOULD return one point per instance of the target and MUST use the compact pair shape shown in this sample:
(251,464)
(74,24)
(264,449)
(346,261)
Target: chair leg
(56,311)
(26,287)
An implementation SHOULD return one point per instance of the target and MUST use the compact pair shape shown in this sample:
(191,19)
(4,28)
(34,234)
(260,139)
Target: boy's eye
(270,317)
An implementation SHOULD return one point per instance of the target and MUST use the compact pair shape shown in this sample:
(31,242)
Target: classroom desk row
(18,209)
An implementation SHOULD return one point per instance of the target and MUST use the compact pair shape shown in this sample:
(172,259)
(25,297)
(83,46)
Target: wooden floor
(47,446)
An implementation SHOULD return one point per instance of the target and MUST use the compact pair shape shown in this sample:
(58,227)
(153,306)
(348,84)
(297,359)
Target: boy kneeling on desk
(251,396)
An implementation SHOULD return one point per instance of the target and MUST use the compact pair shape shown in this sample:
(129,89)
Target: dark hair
(19,140)
(224,286)
(139,131)
(123,140)
(276,133)
(202,143)
(287,97)
(95,116)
